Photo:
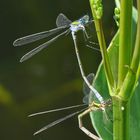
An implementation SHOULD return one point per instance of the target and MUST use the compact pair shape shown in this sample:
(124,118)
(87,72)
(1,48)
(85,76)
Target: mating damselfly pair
(65,26)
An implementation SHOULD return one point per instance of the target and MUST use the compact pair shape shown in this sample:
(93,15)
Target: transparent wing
(37,36)
(62,20)
(58,121)
(41,47)
(90,78)
(56,110)
(93,95)
(107,114)
(86,89)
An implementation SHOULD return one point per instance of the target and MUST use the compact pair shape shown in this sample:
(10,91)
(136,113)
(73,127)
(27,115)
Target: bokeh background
(49,80)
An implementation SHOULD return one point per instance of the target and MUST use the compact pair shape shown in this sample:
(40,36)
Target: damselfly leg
(93,106)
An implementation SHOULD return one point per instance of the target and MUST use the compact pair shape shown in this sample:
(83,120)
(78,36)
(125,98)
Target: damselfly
(62,22)
(92,107)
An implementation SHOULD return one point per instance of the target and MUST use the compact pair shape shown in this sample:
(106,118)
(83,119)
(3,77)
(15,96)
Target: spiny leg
(86,37)
(85,34)
(86,131)
(91,47)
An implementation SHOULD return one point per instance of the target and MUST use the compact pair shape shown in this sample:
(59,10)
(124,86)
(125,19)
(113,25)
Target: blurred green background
(49,80)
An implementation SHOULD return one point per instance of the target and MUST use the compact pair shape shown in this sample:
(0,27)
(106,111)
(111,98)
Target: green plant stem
(125,39)
(131,77)
(121,104)
(136,54)
(101,39)
(121,111)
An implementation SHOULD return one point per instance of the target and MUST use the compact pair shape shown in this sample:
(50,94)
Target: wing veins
(56,110)
(58,121)
(37,36)
(62,20)
(41,47)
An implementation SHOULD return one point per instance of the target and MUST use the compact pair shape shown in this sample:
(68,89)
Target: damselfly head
(84,20)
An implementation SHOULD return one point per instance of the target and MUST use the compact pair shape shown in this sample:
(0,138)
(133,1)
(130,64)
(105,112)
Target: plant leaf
(105,129)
